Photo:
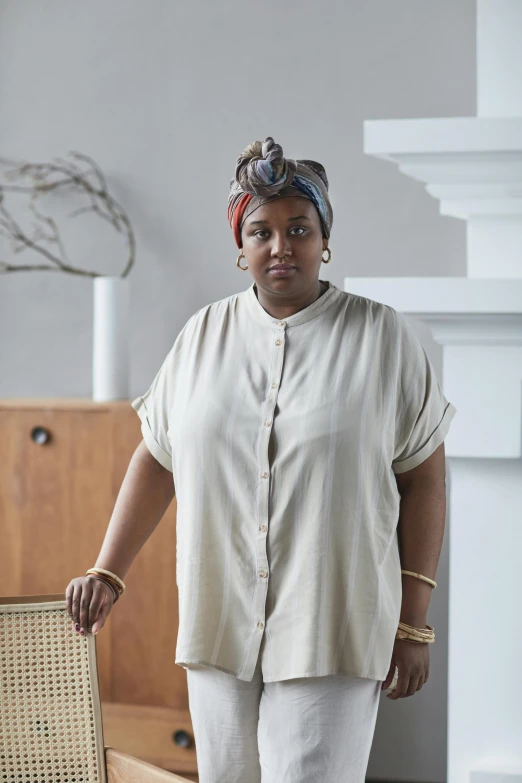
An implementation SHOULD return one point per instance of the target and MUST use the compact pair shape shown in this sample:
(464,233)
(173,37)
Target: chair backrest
(50,713)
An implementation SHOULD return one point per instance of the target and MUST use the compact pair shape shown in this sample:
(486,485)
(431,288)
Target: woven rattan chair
(50,714)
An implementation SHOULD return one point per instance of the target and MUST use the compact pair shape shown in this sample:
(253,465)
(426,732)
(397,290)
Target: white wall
(165,96)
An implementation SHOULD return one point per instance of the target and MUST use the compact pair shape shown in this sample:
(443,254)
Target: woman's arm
(145,494)
(421,531)
(420,527)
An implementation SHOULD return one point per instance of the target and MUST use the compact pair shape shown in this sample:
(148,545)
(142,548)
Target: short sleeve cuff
(152,444)
(429,447)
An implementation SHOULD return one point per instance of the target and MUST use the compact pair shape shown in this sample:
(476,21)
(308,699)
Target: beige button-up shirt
(283,438)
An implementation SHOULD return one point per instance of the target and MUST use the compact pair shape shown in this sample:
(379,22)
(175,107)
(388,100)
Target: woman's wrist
(418,620)
(112,587)
(416,595)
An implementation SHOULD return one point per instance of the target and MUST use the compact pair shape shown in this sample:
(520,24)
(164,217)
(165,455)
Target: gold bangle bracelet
(420,576)
(412,634)
(427,631)
(116,578)
(114,589)
(423,638)
(107,579)
(417,635)
(406,638)
(409,638)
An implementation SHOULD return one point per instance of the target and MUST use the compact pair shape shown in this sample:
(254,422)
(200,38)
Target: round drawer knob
(40,435)
(182,738)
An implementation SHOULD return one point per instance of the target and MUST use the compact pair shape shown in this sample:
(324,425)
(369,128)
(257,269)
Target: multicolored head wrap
(264,174)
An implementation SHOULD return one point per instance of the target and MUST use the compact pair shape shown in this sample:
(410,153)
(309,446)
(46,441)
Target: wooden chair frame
(112,766)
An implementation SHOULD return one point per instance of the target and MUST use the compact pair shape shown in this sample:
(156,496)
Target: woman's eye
(296,228)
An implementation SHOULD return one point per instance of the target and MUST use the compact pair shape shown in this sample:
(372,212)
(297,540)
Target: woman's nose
(281,246)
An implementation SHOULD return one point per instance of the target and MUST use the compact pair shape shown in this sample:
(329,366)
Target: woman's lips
(281,271)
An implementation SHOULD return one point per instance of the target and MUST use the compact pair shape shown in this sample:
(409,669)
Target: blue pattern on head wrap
(313,192)
(265,171)
(267,174)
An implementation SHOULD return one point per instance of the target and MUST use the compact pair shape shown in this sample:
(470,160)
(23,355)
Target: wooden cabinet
(62,464)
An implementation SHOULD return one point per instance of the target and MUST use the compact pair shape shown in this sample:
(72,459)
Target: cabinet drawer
(159,735)
(63,463)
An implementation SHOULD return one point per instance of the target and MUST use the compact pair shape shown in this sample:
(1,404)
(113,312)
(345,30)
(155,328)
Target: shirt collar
(317,307)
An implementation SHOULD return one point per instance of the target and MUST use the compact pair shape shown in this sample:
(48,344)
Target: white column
(473,166)
(499,58)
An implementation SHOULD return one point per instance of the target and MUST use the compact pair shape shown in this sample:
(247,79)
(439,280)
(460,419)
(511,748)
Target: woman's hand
(89,601)
(412,660)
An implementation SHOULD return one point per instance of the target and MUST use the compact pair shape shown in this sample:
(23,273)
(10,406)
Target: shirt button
(260,625)
(278,342)
(268,422)
(281,323)
(263,573)
(264,474)
(262,528)
(274,386)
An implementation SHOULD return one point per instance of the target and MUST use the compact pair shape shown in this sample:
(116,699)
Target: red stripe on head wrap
(238,215)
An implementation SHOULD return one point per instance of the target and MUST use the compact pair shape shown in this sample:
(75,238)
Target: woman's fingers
(97,599)
(88,600)
(415,684)
(101,604)
(389,677)
(76,599)
(85,602)
(408,685)
(69,591)
(103,610)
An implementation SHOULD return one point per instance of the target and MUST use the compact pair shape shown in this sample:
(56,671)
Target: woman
(301,428)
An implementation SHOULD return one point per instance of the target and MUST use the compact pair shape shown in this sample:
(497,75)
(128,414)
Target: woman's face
(284,230)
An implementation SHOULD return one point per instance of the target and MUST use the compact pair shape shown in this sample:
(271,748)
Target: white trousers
(304,730)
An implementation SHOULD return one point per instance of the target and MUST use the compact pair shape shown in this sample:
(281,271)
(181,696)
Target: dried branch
(45,178)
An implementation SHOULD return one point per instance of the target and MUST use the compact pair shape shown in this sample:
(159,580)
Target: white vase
(111,341)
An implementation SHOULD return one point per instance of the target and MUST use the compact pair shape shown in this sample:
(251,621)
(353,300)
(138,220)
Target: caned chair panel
(50,714)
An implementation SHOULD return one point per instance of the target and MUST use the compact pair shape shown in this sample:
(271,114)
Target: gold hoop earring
(240,256)
(327,260)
